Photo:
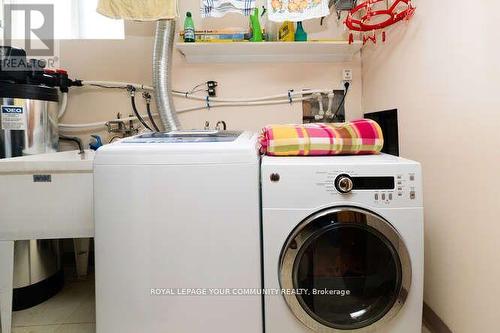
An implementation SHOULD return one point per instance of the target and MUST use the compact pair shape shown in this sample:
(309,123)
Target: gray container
(29,126)
(29,123)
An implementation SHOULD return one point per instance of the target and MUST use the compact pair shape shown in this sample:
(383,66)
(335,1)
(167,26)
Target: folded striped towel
(219,8)
(358,137)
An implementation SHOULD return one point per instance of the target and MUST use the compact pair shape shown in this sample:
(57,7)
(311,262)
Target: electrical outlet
(347,75)
(212,92)
(212,88)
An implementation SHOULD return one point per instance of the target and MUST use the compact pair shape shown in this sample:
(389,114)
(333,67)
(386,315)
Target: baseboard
(433,323)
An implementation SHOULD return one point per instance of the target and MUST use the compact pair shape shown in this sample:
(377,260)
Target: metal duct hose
(162,74)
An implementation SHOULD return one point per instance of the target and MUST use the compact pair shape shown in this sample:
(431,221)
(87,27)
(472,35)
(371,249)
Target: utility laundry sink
(47,196)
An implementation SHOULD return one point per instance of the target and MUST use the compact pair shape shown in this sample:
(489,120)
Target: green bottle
(189,34)
(300,34)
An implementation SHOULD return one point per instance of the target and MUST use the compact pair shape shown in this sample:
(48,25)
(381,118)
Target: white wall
(442,72)
(130,60)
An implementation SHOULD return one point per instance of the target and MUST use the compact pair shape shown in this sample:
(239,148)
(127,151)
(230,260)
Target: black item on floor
(27,297)
(388,121)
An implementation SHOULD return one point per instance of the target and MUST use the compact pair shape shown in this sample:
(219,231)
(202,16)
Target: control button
(399,176)
(400,188)
(383,196)
(412,177)
(376,196)
(344,184)
(390,196)
(400,194)
(400,183)
(413,195)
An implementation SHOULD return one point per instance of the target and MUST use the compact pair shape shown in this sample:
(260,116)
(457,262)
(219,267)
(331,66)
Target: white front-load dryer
(176,230)
(342,244)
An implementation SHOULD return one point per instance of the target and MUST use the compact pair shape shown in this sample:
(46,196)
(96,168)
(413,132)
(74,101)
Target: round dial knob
(344,184)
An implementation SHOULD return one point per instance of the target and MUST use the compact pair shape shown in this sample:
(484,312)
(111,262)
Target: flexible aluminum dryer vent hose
(162,74)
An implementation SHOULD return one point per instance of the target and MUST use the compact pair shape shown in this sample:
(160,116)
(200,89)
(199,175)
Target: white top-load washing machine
(343,244)
(176,230)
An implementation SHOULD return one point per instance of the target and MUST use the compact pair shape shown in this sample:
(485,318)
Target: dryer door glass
(346,270)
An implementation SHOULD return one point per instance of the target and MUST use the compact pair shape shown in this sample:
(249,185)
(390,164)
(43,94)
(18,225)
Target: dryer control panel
(383,190)
(405,187)
(345,183)
(376,181)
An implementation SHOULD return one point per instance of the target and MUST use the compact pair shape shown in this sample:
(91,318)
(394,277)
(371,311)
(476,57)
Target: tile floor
(70,311)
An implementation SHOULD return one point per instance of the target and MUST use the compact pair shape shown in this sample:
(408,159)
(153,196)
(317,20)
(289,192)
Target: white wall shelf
(269,52)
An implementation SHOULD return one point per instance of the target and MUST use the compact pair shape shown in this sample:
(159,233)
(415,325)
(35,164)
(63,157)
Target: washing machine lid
(184,137)
(349,271)
(182,147)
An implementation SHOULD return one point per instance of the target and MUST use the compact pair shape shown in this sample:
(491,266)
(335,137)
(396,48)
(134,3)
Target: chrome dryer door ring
(345,248)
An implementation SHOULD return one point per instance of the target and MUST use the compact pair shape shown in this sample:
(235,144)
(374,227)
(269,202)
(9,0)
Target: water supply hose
(137,114)
(147,97)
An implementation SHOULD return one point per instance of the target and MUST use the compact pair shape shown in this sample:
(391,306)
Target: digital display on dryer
(373,183)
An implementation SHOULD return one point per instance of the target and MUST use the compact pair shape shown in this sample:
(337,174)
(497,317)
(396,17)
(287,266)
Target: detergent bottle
(256,28)
(300,34)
